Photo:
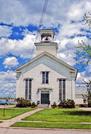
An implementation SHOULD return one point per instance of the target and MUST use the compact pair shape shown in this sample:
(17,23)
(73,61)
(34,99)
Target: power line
(42,16)
(43,12)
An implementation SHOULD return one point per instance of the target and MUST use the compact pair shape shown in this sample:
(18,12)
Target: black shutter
(26,88)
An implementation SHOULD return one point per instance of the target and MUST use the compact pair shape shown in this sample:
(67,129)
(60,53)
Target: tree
(87,19)
(89,93)
(84,48)
(88,96)
(84,51)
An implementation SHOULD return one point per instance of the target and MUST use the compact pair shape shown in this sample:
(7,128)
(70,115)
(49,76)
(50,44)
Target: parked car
(4,102)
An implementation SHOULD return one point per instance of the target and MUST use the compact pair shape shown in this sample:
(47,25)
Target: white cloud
(68,56)
(8,75)
(7,84)
(87,72)
(84,76)
(67,49)
(10,61)
(13,12)
(60,12)
(21,12)
(76,11)
(71,29)
(4,31)
(23,48)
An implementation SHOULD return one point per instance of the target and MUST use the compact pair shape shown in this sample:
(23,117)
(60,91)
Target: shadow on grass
(81,113)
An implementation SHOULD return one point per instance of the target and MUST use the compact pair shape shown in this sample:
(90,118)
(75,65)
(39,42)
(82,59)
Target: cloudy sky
(19,23)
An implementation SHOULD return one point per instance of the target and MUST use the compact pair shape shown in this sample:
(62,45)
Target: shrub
(33,104)
(89,99)
(71,103)
(38,102)
(67,104)
(54,105)
(60,105)
(21,102)
(82,105)
(89,103)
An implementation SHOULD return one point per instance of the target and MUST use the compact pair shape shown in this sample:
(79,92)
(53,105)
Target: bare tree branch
(87,19)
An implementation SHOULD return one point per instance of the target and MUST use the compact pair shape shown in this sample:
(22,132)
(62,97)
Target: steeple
(46,43)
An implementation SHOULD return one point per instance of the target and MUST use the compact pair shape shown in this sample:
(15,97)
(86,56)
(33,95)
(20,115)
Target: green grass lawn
(12,112)
(51,125)
(57,118)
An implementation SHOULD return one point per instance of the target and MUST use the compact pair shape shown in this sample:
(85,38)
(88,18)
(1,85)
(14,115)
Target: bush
(54,105)
(82,105)
(33,105)
(67,104)
(60,105)
(89,100)
(21,102)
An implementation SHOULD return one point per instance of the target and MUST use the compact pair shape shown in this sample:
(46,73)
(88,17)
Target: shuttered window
(28,84)
(62,89)
(45,77)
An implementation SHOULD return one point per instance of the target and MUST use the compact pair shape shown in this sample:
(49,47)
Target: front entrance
(44,98)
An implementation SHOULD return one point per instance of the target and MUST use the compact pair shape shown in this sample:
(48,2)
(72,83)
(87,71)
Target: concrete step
(43,105)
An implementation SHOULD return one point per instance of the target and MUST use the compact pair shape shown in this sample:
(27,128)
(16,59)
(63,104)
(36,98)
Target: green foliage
(85,48)
(82,105)
(89,99)
(87,19)
(54,105)
(33,105)
(61,125)
(67,104)
(57,118)
(84,52)
(12,112)
(21,102)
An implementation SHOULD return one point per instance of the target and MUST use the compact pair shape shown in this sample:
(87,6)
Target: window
(45,77)
(61,89)
(28,88)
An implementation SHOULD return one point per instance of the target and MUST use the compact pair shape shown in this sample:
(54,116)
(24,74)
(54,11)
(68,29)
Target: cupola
(46,43)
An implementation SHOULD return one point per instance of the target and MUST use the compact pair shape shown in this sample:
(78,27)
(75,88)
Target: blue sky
(19,23)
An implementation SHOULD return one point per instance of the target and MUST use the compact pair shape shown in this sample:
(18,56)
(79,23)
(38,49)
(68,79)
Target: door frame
(44,92)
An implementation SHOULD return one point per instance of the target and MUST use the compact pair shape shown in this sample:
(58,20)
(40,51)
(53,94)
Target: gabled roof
(50,56)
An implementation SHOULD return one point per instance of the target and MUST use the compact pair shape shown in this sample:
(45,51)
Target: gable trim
(50,56)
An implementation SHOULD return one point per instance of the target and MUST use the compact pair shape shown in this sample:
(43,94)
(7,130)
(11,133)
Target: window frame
(28,87)
(62,89)
(45,77)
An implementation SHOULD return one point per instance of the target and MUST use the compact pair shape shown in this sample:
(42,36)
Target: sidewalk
(8,123)
(43,131)
(6,106)
(85,108)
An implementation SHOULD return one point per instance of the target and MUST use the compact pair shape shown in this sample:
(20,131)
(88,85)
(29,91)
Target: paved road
(41,131)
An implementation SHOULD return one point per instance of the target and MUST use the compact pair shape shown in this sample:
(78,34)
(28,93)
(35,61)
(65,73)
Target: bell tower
(46,43)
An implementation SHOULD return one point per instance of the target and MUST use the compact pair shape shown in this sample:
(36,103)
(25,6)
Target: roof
(50,56)
(46,31)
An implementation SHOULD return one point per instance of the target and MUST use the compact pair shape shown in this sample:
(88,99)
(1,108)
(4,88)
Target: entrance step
(43,105)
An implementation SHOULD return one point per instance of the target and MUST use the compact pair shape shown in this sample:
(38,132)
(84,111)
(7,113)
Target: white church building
(46,78)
